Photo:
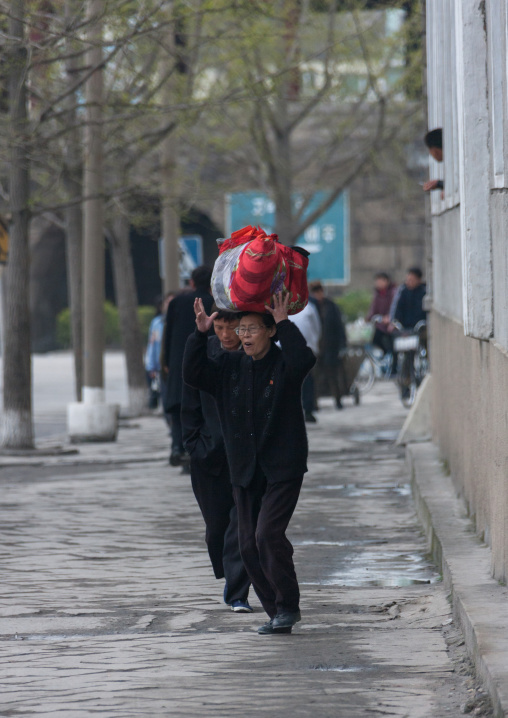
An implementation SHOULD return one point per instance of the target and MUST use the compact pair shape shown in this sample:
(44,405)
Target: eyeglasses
(253,330)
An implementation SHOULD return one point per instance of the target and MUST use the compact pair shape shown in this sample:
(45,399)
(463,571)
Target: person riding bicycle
(408,312)
(384,293)
(409,309)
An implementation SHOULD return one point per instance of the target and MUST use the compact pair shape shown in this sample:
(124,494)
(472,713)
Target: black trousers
(331,379)
(264,513)
(384,341)
(176,430)
(308,394)
(214,495)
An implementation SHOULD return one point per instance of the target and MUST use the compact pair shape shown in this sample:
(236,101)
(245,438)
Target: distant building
(467,91)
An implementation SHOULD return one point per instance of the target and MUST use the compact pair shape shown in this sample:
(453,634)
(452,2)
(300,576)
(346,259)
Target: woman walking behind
(258,395)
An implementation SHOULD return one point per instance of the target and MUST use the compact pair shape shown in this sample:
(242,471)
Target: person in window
(434,142)
(258,396)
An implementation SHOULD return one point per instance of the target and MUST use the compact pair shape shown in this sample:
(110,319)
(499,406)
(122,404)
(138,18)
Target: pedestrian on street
(211,482)
(258,395)
(333,341)
(152,355)
(179,324)
(308,322)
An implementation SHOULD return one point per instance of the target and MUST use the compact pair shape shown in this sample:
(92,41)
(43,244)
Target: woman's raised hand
(203,321)
(280,307)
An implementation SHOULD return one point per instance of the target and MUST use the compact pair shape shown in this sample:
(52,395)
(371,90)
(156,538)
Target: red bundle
(253,266)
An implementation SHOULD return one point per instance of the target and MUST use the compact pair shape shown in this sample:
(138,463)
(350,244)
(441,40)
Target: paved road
(108,606)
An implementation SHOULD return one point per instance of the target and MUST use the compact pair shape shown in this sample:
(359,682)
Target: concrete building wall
(470,424)
(469,322)
(447,264)
(499,222)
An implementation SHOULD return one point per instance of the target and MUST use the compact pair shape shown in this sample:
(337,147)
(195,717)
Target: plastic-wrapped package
(253,266)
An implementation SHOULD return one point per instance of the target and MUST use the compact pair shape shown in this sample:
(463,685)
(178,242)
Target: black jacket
(180,322)
(201,428)
(333,335)
(281,449)
(409,310)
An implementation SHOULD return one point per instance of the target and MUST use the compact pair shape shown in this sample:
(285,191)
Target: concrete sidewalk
(479,602)
(108,606)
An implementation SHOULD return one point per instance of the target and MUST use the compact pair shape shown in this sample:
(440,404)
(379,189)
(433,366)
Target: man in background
(409,308)
(333,341)
(180,322)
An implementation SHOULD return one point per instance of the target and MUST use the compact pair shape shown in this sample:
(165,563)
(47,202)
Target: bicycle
(376,364)
(412,360)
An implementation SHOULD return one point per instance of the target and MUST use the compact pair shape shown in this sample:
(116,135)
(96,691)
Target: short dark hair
(382,275)
(316,286)
(267,320)
(434,138)
(225,315)
(416,271)
(202,277)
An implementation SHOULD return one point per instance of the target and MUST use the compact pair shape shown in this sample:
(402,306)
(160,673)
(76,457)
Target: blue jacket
(153,350)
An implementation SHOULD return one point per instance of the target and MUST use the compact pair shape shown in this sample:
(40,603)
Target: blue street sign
(327,239)
(191,255)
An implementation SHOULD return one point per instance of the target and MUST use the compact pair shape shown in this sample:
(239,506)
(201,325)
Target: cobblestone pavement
(108,606)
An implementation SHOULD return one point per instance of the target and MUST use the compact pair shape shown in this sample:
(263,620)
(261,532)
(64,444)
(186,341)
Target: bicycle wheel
(407,380)
(364,380)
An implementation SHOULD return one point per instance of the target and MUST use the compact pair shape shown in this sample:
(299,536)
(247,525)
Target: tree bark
(126,299)
(93,211)
(170,217)
(72,174)
(17,374)
(283,190)
(168,188)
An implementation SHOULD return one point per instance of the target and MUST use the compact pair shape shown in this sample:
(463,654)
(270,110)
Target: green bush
(63,329)
(112,334)
(354,304)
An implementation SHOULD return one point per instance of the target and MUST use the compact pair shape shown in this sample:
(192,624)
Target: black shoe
(286,619)
(310,418)
(269,629)
(339,404)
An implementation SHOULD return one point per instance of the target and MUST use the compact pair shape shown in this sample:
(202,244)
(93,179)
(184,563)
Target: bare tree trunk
(73,172)
(126,299)
(169,194)
(17,375)
(170,217)
(93,224)
(288,90)
(283,191)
